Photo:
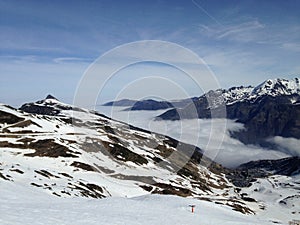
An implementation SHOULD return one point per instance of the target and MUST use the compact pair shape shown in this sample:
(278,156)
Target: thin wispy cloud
(19,59)
(72,60)
(243,32)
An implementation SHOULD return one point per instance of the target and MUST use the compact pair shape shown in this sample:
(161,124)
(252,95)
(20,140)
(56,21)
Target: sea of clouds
(211,135)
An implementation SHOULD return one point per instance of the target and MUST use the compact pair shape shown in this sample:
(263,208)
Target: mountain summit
(50,106)
(51,97)
(278,87)
(272,87)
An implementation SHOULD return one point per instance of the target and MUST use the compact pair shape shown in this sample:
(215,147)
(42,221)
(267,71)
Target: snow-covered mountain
(269,88)
(268,110)
(58,149)
(272,87)
(277,87)
(68,151)
(217,98)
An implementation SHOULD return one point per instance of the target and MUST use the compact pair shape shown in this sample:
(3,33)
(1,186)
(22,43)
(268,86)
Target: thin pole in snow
(193,208)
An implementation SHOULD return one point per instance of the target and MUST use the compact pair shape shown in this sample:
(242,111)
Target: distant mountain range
(270,109)
(271,88)
(150,104)
(267,110)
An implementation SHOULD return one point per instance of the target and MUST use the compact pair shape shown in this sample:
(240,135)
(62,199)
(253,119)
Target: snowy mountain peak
(270,87)
(51,97)
(49,106)
(277,87)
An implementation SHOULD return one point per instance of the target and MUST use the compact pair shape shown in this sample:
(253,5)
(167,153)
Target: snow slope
(82,153)
(279,195)
(22,205)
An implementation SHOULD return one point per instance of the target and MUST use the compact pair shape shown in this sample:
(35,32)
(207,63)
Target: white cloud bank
(288,145)
(205,133)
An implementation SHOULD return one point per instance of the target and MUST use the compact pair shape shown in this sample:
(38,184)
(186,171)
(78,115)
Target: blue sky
(46,46)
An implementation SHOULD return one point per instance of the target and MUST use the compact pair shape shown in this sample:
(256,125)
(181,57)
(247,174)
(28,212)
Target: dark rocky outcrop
(245,174)
(43,148)
(267,117)
(9,118)
(83,166)
(47,107)
(42,110)
(288,166)
(51,97)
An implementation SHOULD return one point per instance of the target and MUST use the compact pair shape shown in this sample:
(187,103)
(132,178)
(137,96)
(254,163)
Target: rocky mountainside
(246,174)
(67,151)
(287,167)
(270,109)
